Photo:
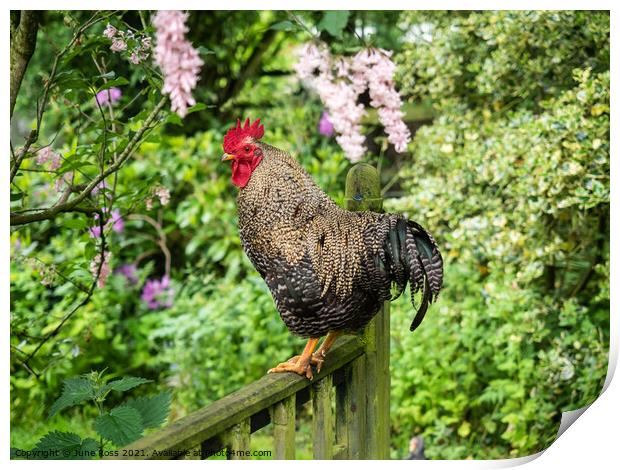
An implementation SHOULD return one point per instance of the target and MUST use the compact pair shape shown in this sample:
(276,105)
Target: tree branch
(72,205)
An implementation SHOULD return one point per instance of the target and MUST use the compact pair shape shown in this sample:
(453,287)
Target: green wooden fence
(355,376)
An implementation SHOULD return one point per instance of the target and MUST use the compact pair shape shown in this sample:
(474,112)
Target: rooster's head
(240,146)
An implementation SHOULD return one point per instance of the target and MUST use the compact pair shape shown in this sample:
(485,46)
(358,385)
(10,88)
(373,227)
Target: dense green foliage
(119,426)
(511,177)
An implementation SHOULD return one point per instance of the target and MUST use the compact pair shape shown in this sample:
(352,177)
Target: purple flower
(95,231)
(129,271)
(101,187)
(157,293)
(112,95)
(118,225)
(326,128)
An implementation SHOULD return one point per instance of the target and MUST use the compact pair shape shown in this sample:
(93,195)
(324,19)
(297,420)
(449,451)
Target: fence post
(363,193)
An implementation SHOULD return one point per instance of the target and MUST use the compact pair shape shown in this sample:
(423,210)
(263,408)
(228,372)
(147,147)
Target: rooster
(329,270)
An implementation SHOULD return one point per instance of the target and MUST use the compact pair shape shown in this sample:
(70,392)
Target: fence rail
(355,375)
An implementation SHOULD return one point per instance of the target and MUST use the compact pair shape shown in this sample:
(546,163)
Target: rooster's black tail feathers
(412,255)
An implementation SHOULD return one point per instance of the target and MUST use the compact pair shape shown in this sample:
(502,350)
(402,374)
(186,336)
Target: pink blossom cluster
(139,46)
(162,193)
(105,268)
(339,82)
(378,69)
(45,155)
(177,59)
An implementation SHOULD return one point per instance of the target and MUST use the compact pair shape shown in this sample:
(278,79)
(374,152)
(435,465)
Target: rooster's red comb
(235,135)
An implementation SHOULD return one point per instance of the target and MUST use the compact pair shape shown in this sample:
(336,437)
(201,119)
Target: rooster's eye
(247,148)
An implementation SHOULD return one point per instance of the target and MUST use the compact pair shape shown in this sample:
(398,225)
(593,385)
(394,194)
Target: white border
(590,441)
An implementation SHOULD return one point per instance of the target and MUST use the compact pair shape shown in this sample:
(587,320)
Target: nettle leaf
(65,445)
(75,390)
(122,385)
(153,409)
(122,425)
(334,22)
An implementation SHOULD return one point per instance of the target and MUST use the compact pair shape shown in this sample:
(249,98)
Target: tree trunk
(24,27)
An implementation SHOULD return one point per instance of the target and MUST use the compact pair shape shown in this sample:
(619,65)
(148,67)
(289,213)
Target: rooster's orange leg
(302,365)
(319,356)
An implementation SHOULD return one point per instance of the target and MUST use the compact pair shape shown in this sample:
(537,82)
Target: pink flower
(46,155)
(118,45)
(177,59)
(110,31)
(135,58)
(111,95)
(64,181)
(326,128)
(105,268)
(163,194)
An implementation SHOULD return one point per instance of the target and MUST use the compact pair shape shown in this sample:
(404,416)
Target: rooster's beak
(226,157)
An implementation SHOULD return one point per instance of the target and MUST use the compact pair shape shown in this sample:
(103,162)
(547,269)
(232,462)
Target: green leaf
(202,50)
(334,22)
(173,118)
(75,390)
(153,409)
(76,223)
(284,26)
(464,429)
(122,385)
(112,83)
(196,107)
(64,445)
(17,196)
(122,425)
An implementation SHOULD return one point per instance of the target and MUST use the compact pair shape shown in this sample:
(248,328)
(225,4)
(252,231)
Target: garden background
(508,168)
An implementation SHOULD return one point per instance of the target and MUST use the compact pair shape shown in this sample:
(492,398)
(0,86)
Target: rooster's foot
(296,365)
(316,360)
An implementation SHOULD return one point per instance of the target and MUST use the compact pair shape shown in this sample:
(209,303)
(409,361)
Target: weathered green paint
(237,441)
(351,412)
(363,192)
(322,420)
(283,419)
(190,431)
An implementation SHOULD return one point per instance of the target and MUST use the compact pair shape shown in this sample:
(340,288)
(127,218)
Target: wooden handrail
(207,423)
(357,367)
